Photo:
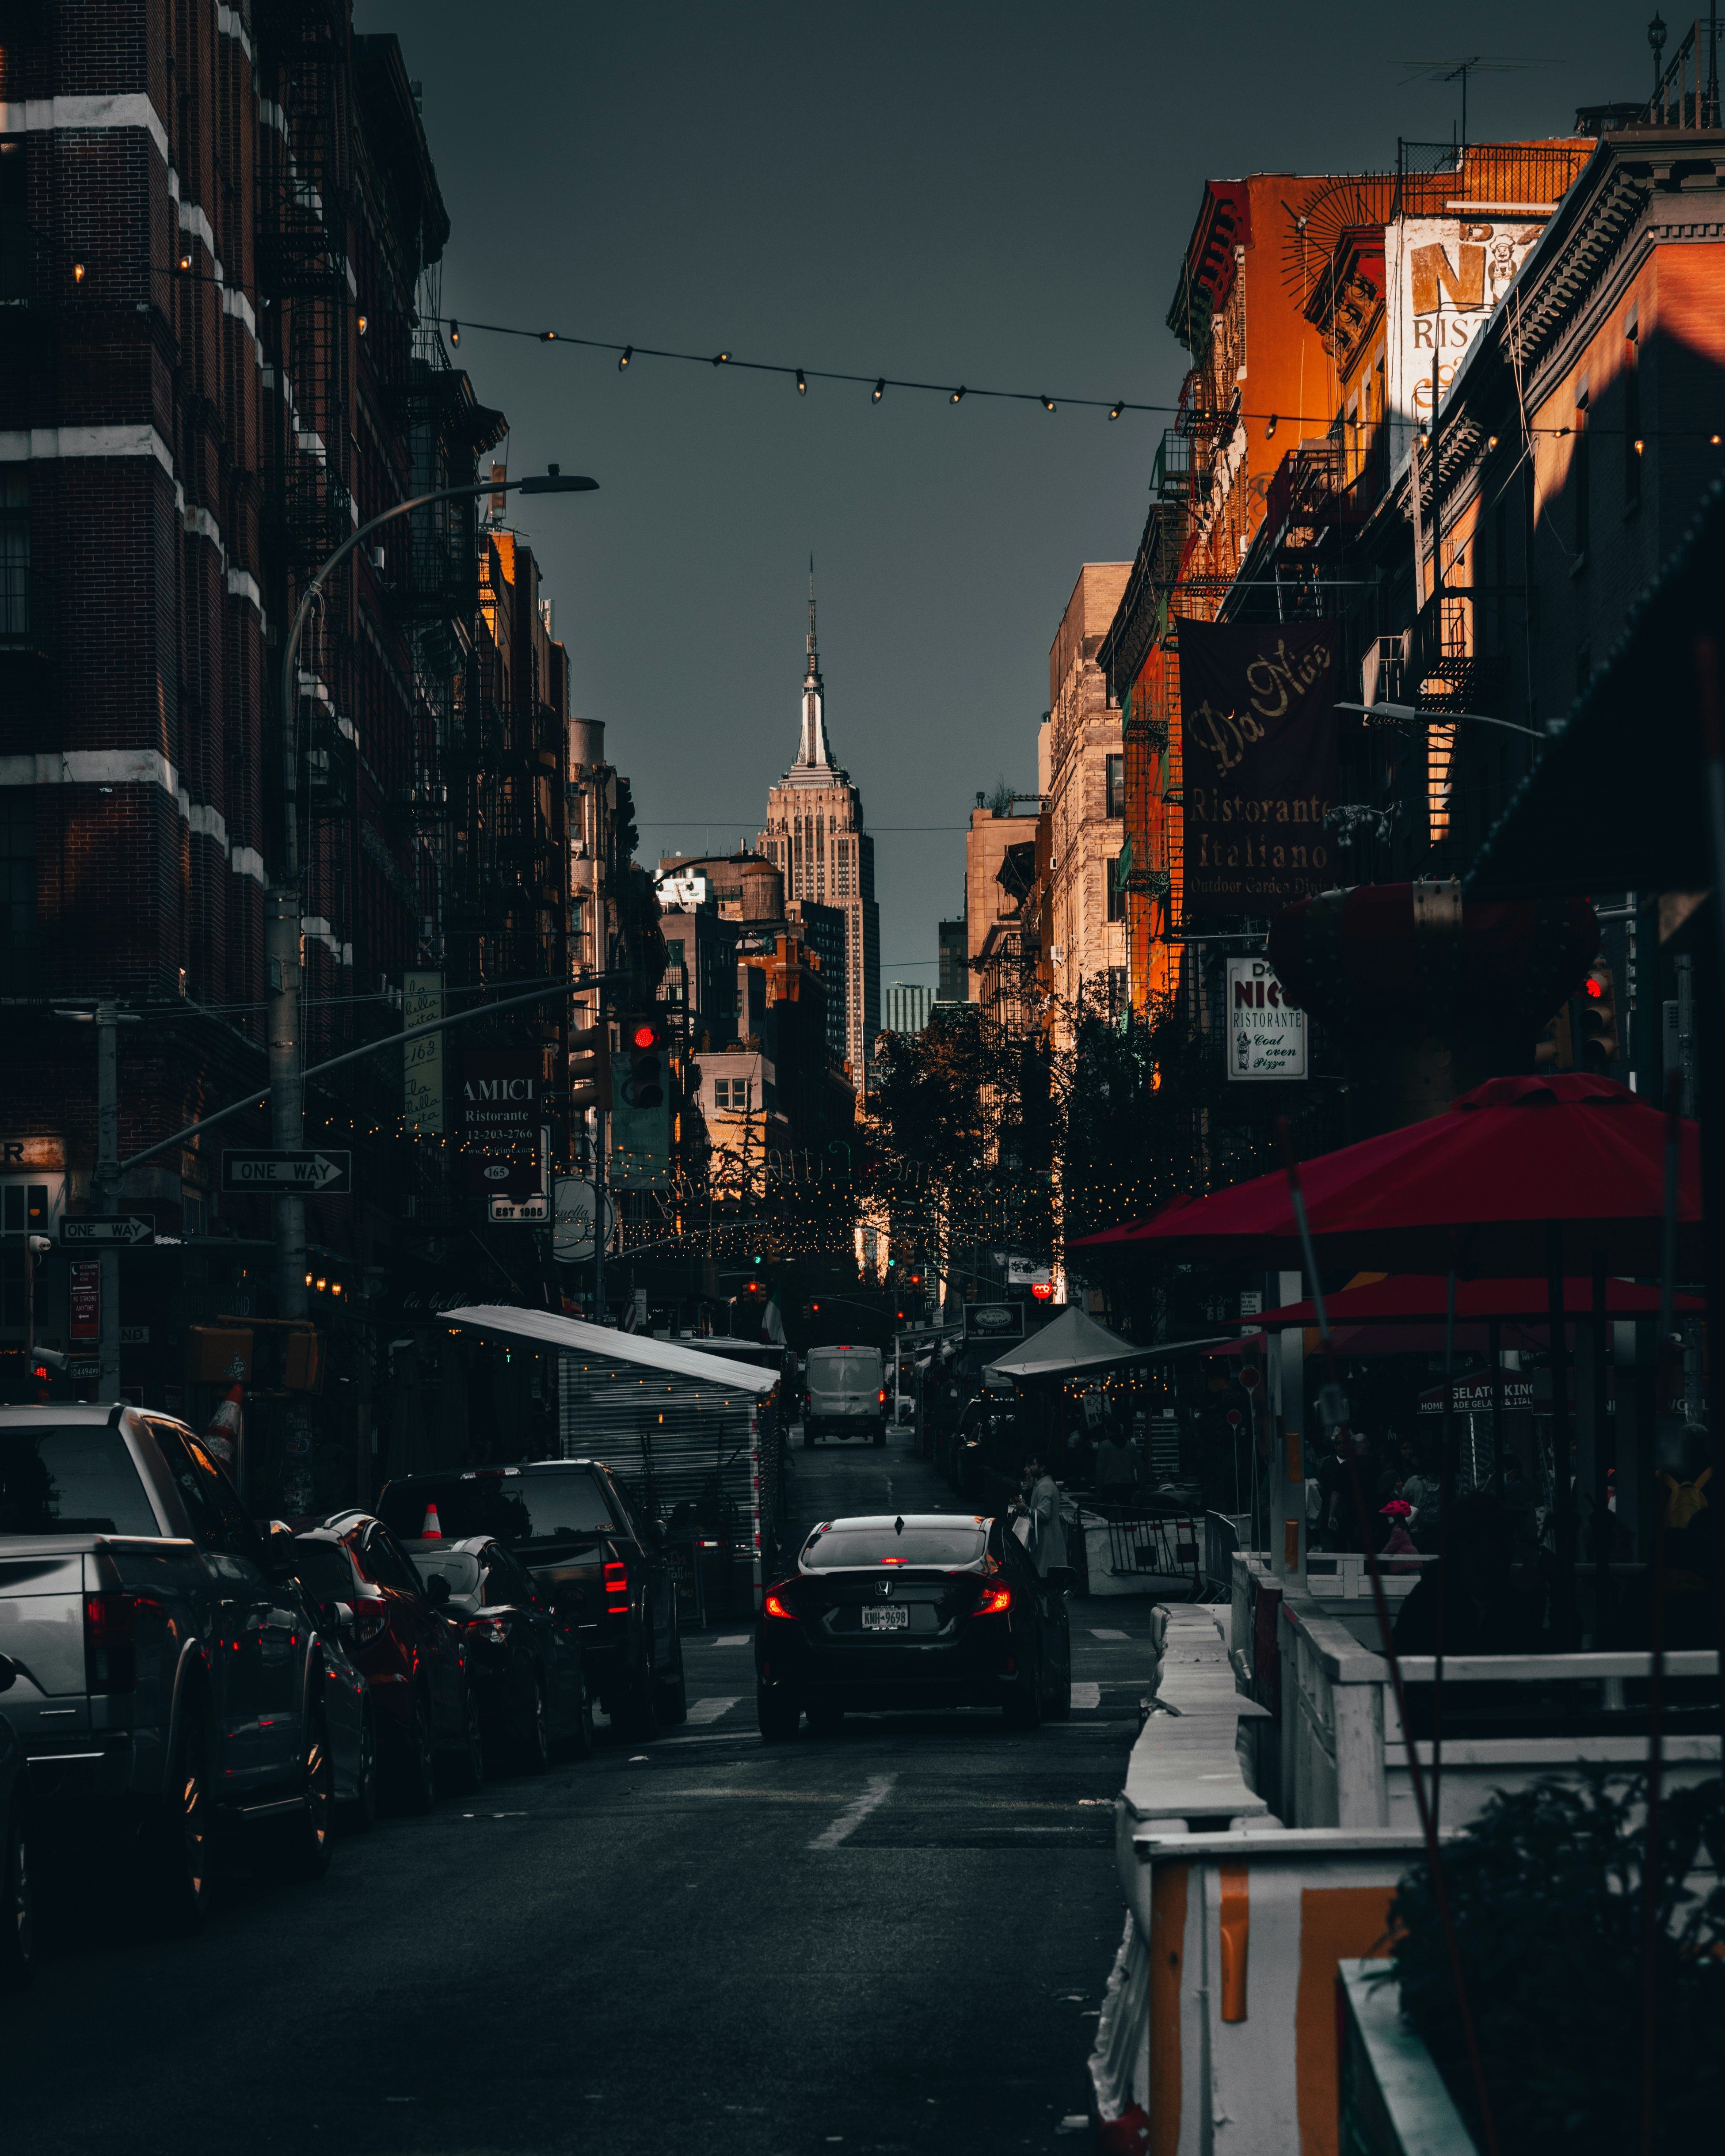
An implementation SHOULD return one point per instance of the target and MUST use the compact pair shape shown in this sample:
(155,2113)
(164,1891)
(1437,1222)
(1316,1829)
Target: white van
(847,1394)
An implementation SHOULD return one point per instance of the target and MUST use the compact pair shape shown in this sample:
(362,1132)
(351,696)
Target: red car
(427,1709)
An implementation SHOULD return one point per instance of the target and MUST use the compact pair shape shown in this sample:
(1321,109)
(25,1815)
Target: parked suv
(595,1555)
(168,1668)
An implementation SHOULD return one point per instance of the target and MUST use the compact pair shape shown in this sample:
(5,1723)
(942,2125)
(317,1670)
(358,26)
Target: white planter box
(1393,2099)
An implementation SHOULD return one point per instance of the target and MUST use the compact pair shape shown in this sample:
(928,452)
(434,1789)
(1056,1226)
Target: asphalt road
(893,1939)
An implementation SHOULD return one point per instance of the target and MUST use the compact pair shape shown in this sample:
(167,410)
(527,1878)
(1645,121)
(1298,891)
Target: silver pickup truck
(169,1671)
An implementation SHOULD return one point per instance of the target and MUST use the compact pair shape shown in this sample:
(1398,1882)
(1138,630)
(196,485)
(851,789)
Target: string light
(455,331)
(958,393)
(880,389)
(624,356)
(78,278)
(802,386)
(547,337)
(185,262)
(1114,410)
(1048,404)
(719,358)
(364,325)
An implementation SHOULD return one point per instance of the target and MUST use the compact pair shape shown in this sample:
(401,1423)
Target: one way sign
(319,1174)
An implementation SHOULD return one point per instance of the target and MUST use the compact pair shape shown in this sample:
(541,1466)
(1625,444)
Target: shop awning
(1617,801)
(603,1345)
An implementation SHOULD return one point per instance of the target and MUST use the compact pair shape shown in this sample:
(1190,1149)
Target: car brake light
(994,1600)
(110,1658)
(775,1604)
(616,1589)
(881,1395)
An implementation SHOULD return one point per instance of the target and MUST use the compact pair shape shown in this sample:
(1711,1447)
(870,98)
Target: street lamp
(282,928)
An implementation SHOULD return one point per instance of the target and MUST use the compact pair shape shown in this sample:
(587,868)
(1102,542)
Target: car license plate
(895,1619)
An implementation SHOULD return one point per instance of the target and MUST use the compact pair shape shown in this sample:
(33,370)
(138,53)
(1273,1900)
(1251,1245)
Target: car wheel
(308,1838)
(467,1766)
(18,1925)
(776,1716)
(179,1846)
(416,1769)
(581,1741)
(673,1689)
(533,1738)
(825,1719)
(1022,1706)
(360,1814)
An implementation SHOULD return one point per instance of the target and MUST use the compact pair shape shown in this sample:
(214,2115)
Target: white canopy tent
(1069,1346)
(604,1344)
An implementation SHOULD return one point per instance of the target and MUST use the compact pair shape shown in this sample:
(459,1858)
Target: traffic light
(645,1039)
(1554,1051)
(589,1068)
(1594,1026)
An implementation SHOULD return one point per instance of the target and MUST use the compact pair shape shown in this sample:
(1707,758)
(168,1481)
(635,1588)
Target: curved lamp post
(282,928)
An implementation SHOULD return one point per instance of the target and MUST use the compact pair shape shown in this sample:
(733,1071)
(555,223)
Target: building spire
(813,753)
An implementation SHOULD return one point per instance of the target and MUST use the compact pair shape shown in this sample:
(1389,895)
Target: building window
(1115,785)
(730,1093)
(1117,896)
(18,886)
(14,554)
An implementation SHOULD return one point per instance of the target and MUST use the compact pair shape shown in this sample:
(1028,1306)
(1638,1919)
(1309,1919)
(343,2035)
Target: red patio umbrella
(1408,1298)
(1522,1175)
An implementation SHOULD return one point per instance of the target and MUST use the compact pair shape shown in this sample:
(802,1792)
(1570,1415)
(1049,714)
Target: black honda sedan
(921,1610)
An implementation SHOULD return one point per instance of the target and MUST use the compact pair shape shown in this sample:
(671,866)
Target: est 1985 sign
(1266,1035)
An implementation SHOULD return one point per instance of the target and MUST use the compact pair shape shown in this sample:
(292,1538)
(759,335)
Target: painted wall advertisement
(1266,1034)
(1258,726)
(1445,274)
(421,1078)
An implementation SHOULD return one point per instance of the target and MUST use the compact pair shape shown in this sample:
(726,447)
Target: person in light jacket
(1040,1500)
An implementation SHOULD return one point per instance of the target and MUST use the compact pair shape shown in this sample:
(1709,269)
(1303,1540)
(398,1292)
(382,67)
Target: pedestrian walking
(1039,1496)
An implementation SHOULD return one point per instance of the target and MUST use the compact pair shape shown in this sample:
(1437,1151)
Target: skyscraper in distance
(814,835)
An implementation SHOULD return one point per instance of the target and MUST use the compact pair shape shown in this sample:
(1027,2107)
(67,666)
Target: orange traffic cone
(432,1531)
(223,1435)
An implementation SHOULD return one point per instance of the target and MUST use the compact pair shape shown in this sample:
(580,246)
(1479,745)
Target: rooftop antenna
(1458,70)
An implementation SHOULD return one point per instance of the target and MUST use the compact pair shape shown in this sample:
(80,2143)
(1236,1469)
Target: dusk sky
(996,195)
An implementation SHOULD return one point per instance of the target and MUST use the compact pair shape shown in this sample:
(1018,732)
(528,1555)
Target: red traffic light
(1595,986)
(644,1036)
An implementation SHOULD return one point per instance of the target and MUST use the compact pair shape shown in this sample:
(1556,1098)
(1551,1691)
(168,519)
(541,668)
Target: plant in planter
(1545,1891)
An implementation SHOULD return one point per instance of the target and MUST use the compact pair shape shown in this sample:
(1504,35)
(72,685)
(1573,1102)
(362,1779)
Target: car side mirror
(278,1552)
(8,1673)
(437,1590)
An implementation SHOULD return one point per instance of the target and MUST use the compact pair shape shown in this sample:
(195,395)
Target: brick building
(219,234)
(1085,787)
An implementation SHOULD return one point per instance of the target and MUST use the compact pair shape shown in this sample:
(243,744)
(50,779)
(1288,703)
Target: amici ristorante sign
(1258,727)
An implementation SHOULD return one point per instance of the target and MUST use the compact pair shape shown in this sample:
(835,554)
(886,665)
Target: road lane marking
(1087,1695)
(1096,1634)
(880,1788)
(710,1710)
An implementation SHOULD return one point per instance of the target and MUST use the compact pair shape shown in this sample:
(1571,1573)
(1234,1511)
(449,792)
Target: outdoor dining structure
(1377,1702)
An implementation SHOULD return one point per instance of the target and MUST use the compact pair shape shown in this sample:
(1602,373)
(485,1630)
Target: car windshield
(831,1547)
(519,1510)
(322,1569)
(70,1479)
(461,1568)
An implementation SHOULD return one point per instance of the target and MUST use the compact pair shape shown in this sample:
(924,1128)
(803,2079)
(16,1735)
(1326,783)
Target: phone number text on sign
(1266,1035)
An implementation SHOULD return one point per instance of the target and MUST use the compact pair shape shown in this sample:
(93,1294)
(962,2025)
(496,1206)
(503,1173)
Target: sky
(992,194)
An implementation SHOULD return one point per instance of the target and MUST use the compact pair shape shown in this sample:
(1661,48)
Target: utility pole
(35,1246)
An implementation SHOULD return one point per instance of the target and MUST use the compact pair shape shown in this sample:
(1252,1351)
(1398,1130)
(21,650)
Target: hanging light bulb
(547,337)
(1270,430)
(77,272)
(880,390)
(363,320)
(802,386)
(454,331)
(185,262)
(719,358)
(1048,404)
(1116,411)
(628,353)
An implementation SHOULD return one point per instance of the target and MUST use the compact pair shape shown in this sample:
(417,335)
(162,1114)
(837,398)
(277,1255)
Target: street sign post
(123,1231)
(289,1170)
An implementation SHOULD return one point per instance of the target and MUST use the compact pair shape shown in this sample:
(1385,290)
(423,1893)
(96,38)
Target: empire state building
(814,835)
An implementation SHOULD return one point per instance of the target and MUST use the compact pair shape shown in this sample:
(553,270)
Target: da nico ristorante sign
(1259,732)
